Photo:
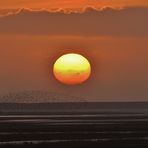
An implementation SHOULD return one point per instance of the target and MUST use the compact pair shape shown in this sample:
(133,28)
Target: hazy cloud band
(127,22)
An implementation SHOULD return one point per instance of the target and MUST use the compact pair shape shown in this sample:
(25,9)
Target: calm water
(95,128)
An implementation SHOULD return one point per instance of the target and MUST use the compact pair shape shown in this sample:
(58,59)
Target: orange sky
(69,3)
(115,42)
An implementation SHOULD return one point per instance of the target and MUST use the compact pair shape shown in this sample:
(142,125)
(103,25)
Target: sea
(89,128)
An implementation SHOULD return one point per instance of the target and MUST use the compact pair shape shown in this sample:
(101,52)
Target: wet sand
(75,129)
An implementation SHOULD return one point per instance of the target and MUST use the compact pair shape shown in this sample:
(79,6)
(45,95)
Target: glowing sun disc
(72,69)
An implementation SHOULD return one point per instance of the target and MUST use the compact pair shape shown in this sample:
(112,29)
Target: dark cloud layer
(107,22)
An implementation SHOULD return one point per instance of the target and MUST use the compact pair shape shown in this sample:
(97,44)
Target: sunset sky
(69,3)
(34,33)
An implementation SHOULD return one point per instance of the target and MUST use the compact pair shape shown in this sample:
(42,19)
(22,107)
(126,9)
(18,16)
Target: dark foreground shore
(80,131)
(75,129)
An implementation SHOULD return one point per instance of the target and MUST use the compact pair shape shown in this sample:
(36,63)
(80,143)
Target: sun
(72,69)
